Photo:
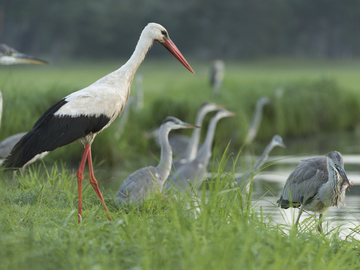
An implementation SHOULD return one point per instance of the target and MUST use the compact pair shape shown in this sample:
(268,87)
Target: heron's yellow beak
(20,58)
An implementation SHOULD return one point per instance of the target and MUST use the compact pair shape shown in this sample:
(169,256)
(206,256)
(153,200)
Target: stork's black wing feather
(53,131)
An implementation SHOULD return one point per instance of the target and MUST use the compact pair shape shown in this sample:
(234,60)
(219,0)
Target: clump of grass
(214,230)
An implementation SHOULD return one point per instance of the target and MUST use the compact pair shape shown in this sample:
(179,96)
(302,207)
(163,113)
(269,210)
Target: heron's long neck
(264,156)
(257,165)
(164,166)
(204,152)
(332,192)
(255,123)
(192,147)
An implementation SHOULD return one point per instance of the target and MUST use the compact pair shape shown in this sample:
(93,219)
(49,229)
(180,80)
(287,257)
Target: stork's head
(159,34)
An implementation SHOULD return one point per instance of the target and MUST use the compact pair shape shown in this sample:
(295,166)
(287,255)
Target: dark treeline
(204,29)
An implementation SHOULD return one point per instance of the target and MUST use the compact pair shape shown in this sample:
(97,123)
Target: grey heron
(10,56)
(244,181)
(315,185)
(217,75)
(178,142)
(195,171)
(83,114)
(185,147)
(141,183)
(192,146)
(256,121)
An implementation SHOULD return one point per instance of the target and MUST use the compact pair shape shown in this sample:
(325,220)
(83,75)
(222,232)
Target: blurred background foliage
(203,29)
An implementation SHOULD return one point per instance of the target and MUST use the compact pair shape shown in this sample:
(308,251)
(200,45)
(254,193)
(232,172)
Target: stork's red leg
(80,178)
(94,184)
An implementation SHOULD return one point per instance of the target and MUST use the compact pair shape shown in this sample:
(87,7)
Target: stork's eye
(164,33)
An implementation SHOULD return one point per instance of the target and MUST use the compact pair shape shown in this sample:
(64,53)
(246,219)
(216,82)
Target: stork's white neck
(130,67)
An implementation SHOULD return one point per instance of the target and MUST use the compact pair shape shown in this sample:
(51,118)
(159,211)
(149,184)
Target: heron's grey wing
(138,185)
(304,182)
(8,144)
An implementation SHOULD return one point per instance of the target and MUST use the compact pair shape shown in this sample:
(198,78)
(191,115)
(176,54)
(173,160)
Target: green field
(38,217)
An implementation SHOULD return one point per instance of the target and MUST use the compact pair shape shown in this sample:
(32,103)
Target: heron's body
(83,114)
(195,170)
(145,181)
(316,184)
(192,146)
(244,181)
(10,56)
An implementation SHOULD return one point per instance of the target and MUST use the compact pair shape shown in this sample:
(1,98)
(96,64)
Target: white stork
(83,114)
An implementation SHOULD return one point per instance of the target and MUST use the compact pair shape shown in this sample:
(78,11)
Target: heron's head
(209,107)
(277,141)
(335,160)
(174,123)
(10,56)
(224,113)
(263,100)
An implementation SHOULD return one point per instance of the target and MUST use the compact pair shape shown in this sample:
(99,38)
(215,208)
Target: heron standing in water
(315,185)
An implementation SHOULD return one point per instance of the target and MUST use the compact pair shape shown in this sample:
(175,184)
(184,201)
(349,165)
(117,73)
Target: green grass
(38,217)
(39,230)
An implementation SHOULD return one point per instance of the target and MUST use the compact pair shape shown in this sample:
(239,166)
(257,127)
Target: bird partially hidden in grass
(315,185)
(145,181)
(244,181)
(193,144)
(190,175)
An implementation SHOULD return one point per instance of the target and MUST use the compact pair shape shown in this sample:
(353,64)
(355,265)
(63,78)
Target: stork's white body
(83,114)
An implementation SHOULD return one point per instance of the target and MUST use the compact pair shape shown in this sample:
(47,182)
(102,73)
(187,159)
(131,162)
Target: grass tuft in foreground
(215,230)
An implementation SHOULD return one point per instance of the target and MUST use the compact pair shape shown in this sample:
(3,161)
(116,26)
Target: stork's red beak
(175,51)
